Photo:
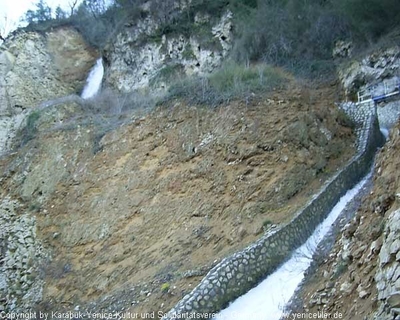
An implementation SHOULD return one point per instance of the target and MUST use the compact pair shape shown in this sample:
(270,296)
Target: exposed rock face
(388,114)
(342,49)
(130,64)
(38,67)
(21,257)
(388,275)
(375,67)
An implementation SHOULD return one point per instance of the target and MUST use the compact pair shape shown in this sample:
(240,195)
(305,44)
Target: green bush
(165,287)
(267,223)
(341,268)
(344,120)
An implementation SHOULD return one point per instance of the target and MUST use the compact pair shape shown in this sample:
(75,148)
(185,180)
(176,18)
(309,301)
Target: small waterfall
(93,82)
(385,132)
(267,300)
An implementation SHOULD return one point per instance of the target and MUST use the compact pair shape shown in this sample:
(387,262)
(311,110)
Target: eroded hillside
(134,218)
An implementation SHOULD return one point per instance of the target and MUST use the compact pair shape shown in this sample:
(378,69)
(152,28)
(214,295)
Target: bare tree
(163,10)
(6,26)
(72,5)
(96,7)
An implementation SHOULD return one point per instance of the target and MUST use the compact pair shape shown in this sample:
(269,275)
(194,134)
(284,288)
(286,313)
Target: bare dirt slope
(135,219)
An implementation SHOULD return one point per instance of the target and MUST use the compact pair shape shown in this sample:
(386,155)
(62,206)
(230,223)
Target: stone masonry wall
(238,273)
(388,114)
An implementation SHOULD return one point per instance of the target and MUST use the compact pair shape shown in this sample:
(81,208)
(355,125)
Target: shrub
(231,81)
(341,268)
(267,223)
(371,18)
(291,33)
(344,120)
(165,287)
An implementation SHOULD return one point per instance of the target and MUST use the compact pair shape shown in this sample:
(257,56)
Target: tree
(6,26)
(42,13)
(60,13)
(96,7)
(72,5)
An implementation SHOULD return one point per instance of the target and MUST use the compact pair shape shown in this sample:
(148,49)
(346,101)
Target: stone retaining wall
(238,273)
(388,114)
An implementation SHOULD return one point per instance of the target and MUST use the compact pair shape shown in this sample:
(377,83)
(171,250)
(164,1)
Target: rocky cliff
(372,68)
(142,56)
(37,67)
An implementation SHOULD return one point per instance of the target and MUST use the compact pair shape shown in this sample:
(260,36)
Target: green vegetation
(34,207)
(165,287)
(296,35)
(231,81)
(300,34)
(344,120)
(169,72)
(267,223)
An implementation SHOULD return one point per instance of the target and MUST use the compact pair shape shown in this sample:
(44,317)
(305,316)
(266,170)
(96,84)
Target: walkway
(380,91)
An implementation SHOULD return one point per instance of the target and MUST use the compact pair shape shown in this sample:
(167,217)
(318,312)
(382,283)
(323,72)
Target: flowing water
(268,299)
(94,80)
(385,132)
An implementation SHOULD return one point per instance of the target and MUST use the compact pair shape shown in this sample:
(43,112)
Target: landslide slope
(135,217)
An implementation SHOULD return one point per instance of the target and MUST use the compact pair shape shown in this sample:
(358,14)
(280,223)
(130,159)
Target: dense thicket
(294,32)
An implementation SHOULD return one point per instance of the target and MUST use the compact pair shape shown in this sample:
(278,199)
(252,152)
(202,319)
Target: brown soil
(137,224)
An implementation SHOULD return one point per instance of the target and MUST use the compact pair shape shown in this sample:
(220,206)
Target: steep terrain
(134,218)
(107,206)
(360,277)
(36,67)
(155,59)
(361,273)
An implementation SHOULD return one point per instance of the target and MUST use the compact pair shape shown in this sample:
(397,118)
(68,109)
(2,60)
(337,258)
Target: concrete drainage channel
(237,274)
(271,296)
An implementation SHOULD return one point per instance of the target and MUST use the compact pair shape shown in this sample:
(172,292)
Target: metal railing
(380,91)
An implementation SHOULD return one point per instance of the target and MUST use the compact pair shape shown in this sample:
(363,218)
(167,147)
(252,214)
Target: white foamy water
(385,132)
(93,82)
(267,300)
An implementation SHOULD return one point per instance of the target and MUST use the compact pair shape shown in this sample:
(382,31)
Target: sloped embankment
(138,215)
